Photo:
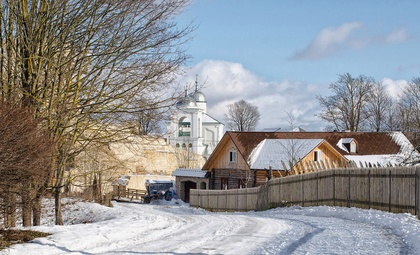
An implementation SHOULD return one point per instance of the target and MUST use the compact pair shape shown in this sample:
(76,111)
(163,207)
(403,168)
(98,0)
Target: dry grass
(9,237)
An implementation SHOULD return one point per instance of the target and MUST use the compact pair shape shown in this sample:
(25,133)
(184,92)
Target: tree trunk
(94,188)
(10,211)
(57,200)
(36,210)
(26,209)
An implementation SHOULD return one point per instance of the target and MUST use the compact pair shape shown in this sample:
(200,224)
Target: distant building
(191,127)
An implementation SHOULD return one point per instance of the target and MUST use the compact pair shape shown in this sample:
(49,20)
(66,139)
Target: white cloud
(394,88)
(228,82)
(397,36)
(327,41)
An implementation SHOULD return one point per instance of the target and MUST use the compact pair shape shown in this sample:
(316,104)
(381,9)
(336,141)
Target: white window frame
(318,155)
(232,156)
(353,147)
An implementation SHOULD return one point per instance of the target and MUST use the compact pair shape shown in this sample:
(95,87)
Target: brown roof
(368,143)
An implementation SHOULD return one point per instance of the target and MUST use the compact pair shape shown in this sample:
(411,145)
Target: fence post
(199,198)
(303,190)
(369,187)
(417,196)
(349,189)
(390,191)
(246,197)
(334,189)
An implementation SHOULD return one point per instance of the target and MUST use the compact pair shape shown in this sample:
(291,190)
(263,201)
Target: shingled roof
(369,143)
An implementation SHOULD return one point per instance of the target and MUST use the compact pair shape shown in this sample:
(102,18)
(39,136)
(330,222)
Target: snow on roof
(407,150)
(209,119)
(346,140)
(343,141)
(159,181)
(374,159)
(406,146)
(188,172)
(270,152)
(123,180)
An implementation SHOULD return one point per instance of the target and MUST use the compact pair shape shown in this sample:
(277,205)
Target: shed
(190,178)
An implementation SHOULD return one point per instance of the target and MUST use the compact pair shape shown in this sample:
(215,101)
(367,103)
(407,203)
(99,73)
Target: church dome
(187,102)
(199,96)
(190,100)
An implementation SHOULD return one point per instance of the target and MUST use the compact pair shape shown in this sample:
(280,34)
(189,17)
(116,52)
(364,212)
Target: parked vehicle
(158,189)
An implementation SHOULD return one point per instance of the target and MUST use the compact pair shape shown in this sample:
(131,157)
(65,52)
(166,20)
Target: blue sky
(279,54)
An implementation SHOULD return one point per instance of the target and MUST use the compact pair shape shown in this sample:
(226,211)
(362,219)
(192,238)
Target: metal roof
(270,152)
(188,172)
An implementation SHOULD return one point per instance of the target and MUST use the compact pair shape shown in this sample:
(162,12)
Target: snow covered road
(169,228)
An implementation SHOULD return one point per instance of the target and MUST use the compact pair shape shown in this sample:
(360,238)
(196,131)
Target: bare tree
(24,163)
(79,64)
(149,121)
(394,117)
(291,149)
(378,108)
(346,107)
(409,111)
(242,116)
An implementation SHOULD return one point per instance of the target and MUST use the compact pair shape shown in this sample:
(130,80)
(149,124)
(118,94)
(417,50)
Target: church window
(184,127)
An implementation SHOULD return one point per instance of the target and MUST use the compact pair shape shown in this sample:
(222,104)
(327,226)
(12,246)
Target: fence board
(232,200)
(195,197)
(310,188)
(342,188)
(242,200)
(213,200)
(359,188)
(326,188)
(378,190)
(252,198)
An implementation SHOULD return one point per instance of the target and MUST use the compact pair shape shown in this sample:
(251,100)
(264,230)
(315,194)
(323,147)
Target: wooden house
(248,159)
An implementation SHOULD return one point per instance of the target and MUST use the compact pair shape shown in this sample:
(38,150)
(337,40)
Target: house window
(241,184)
(317,156)
(232,156)
(224,183)
(353,147)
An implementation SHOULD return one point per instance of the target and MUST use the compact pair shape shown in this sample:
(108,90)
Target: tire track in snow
(151,229)
(229,232)
(184,232)
(321,235)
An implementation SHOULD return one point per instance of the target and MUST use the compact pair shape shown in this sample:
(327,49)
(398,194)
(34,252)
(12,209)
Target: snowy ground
(171,228)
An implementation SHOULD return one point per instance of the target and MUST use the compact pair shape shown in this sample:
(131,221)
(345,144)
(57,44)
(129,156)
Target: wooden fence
(392,189)
(120,192)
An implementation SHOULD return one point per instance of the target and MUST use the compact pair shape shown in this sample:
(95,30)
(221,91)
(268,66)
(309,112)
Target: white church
(191,127)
